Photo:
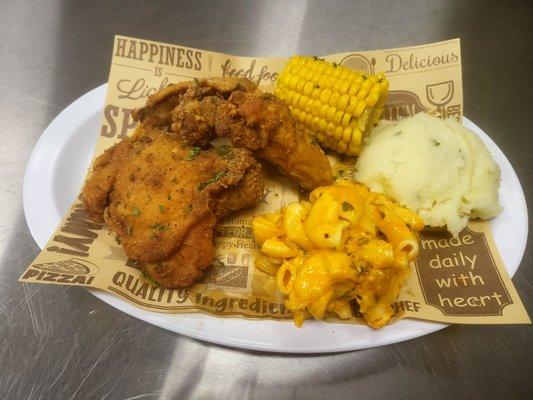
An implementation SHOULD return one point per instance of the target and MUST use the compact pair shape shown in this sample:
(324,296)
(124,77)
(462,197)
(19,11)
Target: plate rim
(95,98)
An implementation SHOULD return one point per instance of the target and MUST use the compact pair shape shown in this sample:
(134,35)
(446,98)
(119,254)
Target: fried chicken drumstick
(199,111)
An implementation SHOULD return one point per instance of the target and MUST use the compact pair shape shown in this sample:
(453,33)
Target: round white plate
(53,178)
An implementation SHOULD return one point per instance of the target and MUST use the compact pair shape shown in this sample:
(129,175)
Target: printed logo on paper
(459,275)
(67,272)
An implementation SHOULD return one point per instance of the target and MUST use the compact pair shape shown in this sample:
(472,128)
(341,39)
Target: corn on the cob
(334,104)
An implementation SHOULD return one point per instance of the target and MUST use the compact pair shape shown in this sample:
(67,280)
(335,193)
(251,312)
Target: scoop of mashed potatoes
(437,168)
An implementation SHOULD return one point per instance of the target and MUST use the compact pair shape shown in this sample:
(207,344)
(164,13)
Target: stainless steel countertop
(63,343)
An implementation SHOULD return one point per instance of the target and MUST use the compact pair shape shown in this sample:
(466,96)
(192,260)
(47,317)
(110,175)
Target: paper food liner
(460,280)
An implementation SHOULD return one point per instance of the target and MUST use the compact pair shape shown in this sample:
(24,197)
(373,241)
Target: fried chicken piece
(262,123)
(164,189)
(157,113)
(104,170)
(194,120)
(186,265)
(198,112)
(161,198)
(237,197)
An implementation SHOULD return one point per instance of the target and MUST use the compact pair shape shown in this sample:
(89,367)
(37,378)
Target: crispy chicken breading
(194,120)
(262,123)
(157,112)
(186,265)
(197,112)
(162,198)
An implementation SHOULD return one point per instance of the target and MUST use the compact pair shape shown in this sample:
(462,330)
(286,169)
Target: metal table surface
(63,343)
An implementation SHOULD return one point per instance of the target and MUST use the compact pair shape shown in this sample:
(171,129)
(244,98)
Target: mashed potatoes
(437,168)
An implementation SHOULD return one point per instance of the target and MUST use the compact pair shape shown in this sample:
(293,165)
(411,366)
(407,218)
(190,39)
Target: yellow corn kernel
(359,109)
(308,88)
(293,81)
(334,99)
(356,137)
(325,95)
(290,97)
(322,124)
(317,108)
(342,146)
(372,99)
(330,129)
(338,133)
(361,95)
(347,134)
(353,103)
(345,86)
(296,99)
(282,78)
(315,123)
(337,85)
(295,113)
(343,102)
(353,149)
(322,82)
(329,113)
(366,85)
(354,88)
(337,118)
(346,119)
(362,122)
(309,105)
(302,102)
(324,108)
(300,85)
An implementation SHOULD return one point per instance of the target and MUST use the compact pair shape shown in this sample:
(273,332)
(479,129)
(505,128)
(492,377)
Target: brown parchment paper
(454,280)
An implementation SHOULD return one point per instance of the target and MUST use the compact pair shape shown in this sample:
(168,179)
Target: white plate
(53,178)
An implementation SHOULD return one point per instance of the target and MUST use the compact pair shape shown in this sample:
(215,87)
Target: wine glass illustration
(440,94)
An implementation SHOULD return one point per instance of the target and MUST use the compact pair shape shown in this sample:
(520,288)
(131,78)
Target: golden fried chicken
(162,198)
(194,120)
(157,112)
(199,111)
(186,265)
(262,123)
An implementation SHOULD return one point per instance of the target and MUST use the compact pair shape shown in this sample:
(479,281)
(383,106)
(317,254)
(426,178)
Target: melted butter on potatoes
(439,169)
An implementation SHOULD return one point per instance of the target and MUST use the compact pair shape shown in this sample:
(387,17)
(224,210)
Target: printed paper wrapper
(459,280)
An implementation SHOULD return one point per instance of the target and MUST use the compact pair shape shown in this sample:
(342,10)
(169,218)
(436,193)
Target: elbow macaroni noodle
(346,244)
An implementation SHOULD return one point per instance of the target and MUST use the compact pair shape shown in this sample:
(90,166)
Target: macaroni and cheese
(345,245)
